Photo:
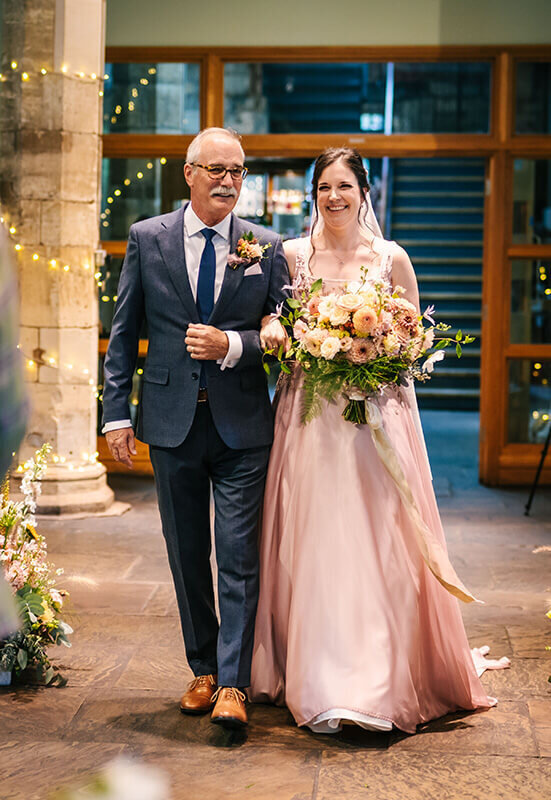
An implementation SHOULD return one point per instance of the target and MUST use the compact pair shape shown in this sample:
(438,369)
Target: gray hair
(194,149)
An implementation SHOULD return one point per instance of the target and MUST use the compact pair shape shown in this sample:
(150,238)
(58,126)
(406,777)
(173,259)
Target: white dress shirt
(194,243)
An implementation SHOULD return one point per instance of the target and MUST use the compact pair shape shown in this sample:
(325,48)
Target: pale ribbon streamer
(434,554)
(9,620)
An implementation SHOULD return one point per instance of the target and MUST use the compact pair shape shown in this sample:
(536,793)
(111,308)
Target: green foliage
(24,558)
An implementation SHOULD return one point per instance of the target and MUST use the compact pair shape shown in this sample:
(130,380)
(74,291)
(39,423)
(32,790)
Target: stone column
(50,116)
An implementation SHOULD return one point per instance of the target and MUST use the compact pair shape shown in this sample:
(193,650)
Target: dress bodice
(379,267)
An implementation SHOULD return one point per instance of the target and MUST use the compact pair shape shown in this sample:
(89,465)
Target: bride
(352,626)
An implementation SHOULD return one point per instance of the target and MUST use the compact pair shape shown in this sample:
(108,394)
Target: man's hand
(121,444)
(205,343)
(273,334)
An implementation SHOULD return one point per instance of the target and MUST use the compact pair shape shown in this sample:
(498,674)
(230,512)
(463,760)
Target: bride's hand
(272,334)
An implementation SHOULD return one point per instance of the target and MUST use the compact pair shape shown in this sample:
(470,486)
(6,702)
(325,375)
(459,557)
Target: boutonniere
(249,251)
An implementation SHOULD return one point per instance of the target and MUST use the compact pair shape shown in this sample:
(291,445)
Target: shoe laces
(233,694)
(202,680)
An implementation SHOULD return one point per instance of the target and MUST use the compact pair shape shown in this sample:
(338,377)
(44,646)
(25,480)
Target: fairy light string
(121,189)
(15,70)
(133,93)
(41,358)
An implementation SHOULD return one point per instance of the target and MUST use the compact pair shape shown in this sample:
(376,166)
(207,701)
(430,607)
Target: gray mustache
(224,191)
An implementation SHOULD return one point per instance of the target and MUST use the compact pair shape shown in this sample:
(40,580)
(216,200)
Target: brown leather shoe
(199,696)
(229,710)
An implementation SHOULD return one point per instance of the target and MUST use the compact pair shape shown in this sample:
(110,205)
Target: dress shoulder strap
(387,258)
(302,272)
(303,253)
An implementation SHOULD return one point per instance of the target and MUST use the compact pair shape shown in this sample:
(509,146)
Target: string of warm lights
(77,375)
(15,70)
(120,190)
(40,358)
(54,264)
(63,461)
(134,92)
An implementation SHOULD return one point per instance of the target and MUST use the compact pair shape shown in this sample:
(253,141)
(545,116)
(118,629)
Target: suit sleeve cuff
(116,425)
(235,350)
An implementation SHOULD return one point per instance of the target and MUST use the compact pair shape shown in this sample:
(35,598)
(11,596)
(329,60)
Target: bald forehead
(218,145)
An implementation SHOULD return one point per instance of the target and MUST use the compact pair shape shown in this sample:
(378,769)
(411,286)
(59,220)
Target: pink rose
(299,329)
(314,304)
(385,321)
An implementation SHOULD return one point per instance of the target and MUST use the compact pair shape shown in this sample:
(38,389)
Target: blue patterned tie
(207,274)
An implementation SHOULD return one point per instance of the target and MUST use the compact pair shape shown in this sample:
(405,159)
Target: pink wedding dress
(351,624)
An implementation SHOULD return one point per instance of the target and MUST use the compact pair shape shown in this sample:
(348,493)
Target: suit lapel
(232,277)
(171,244)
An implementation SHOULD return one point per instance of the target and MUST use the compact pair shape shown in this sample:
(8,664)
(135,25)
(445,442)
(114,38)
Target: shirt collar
(194,225)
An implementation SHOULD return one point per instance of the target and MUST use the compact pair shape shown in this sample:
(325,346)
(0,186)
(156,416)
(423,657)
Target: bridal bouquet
(357,342)
(23,559)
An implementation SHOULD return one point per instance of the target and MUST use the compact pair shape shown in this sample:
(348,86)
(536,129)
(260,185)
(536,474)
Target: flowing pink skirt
(351,624)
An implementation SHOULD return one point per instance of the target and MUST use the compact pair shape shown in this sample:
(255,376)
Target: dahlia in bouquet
(23,560)
(358,341)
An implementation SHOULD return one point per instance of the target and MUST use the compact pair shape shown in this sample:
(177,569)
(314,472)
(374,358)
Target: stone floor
(127,668)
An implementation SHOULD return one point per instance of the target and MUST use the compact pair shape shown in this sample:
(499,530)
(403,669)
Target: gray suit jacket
(154,286)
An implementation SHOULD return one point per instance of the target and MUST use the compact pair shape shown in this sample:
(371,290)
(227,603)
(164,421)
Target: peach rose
(313,305)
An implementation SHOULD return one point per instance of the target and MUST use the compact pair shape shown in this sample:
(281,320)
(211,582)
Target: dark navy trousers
(184,476)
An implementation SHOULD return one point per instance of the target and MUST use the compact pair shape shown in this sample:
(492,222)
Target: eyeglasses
(218,172)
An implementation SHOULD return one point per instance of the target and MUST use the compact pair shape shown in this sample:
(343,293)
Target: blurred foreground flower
(121,779)
(28,573)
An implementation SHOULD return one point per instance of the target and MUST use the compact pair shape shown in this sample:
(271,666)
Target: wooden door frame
(500,462)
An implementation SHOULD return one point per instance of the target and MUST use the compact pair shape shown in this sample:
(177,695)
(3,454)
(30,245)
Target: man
(205,410)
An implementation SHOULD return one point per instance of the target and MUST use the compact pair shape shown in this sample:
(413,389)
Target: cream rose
(391,343)
(339,316)
(311,344)
(330,347)
(326,306)
(350,302)
(346,343)
(369,297)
